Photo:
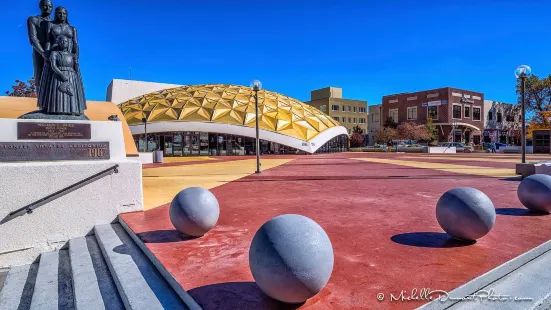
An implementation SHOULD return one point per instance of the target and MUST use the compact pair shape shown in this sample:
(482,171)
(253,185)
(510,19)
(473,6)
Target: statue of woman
(61,90)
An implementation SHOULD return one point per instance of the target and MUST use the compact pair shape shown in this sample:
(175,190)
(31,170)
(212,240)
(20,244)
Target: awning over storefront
(473,127)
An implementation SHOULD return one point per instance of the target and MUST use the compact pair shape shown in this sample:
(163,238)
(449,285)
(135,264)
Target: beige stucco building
(348,112)
(375,122)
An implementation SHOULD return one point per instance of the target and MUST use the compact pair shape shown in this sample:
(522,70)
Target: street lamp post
(144,121)
(522,72)
(549,121)
(256,86)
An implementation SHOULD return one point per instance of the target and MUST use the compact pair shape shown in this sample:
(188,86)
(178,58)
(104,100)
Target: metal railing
(30,207)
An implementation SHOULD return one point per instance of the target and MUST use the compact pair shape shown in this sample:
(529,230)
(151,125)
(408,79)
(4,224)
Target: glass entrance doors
(221,144)
(194,143)
(168,139)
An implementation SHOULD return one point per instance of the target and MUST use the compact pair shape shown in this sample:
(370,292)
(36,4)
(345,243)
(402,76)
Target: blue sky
(369,48)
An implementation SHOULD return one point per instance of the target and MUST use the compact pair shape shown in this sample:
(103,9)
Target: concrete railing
(515,149)
(442,150)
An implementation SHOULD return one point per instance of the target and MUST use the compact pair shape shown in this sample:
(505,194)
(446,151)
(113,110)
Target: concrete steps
(102,271)
(521,283)
(18,287)
(140,284)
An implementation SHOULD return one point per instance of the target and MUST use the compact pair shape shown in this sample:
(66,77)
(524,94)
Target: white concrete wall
(25,237)
(442,150)
(51,225)
(146,158)
(515,149)
(120,91)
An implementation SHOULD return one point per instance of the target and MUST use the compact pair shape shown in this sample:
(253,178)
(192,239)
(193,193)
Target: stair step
(18,287)
(3,275)
(93,286)
(140,284)
(532,280)
(53,288)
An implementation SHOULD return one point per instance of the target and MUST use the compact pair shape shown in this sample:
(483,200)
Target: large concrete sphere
(291,258)
(465,213)
(194,211)
(534,193)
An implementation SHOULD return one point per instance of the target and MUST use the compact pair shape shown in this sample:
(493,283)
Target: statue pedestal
(55,168)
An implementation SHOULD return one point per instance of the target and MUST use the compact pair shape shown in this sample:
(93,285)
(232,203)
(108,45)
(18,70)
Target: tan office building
(375,122)
(349,113)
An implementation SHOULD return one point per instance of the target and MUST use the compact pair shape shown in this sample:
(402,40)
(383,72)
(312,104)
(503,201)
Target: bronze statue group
(57,75)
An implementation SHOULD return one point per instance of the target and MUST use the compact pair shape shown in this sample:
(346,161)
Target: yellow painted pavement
(483,159)
(187,159)
(161,184)
(462,169)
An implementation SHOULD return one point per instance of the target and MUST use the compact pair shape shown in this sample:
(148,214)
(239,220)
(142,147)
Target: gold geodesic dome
(228,104)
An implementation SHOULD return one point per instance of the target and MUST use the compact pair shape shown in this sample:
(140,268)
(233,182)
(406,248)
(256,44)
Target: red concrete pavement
(381,222)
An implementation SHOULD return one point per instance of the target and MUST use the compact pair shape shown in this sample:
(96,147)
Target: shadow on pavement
(163,236)
(513,179)
(236,295)
(429,240)
(518,212)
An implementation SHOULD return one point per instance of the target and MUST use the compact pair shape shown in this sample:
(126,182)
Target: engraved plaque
(53,131)
(53,151)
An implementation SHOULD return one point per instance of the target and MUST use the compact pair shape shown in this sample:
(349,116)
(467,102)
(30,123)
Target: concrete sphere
(291,258)
(194,211)
(534,193)
(465,213)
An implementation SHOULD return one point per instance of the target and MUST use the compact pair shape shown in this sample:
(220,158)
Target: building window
(323,108)
(362,120)
(343,108)
(433,112)
(510,118)
(375,117)
(336,118)
(412,113)
(456,113)
(349,108)
(334,107)
(361,110)
(394,114)
(467,112)
(355,121)
(350,120)
(343,120)
(490,116)
(476,114)
(498,117)
(354,109)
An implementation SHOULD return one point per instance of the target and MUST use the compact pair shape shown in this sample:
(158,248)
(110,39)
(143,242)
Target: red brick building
(448,107)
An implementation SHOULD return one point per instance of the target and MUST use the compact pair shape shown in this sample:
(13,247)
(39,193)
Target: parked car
(459,147)
(498,145)
(488,146)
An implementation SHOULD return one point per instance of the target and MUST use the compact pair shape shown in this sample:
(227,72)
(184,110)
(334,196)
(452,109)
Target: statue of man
(37,27)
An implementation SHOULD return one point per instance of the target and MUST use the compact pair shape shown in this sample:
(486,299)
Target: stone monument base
(40,115)
(72,174)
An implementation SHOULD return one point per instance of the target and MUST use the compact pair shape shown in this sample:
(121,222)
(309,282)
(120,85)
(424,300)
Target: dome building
(219,119)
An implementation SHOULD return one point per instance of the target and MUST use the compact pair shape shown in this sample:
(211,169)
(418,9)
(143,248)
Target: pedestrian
(494,150)
(389,146)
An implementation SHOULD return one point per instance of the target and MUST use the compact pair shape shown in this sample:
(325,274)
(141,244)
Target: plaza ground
(378,210)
